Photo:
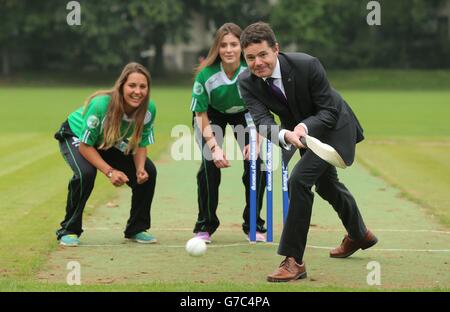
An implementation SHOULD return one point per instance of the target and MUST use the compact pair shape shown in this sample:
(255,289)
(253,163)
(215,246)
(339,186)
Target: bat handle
(303,141)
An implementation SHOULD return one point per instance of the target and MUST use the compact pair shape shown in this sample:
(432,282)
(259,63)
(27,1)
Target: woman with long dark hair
(216,102)
(111,134)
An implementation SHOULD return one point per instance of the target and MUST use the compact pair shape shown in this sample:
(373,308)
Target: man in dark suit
(294,87)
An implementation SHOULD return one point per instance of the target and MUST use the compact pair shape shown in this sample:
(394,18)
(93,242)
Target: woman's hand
(246,150)
(139,161)
(118,178)
(142,176)
(219,158)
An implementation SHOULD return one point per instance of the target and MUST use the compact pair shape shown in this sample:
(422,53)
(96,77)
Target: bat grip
(303,141)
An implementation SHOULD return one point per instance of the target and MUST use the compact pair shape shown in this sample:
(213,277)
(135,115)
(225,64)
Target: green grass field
(401,180)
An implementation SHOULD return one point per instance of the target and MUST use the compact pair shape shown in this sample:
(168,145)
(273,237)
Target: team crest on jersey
(198,88)
(92,122)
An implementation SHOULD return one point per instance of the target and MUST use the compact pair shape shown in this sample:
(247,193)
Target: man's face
(261,59)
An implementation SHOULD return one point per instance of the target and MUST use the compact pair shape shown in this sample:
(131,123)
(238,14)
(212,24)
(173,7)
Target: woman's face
(230,49)
(135,89)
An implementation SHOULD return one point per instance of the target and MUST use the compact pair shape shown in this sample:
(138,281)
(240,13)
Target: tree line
(36,35)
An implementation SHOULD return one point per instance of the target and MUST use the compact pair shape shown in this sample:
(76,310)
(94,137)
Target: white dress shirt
(276,75)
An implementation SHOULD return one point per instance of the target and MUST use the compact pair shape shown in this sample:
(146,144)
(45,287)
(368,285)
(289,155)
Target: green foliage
(338,33)
(112,32)
(240,12)
(23,26)
(35,34)
(157,22)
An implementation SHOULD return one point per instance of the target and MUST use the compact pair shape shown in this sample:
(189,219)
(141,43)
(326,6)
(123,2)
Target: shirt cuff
(304,126)
(281,139)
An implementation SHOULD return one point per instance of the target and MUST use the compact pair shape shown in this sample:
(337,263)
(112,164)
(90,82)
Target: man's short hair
(257,33)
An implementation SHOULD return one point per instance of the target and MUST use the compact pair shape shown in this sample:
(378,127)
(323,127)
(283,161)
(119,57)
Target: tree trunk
(5,62)
(159,69)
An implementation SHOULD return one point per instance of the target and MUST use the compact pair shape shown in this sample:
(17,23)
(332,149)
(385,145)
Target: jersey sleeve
(148,132)
(92,121)
(200,98)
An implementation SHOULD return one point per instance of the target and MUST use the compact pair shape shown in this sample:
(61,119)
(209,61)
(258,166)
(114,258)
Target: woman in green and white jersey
(216,102)
(111,134)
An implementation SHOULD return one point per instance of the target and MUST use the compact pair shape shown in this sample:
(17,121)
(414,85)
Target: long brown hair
(116,110)
(213,54)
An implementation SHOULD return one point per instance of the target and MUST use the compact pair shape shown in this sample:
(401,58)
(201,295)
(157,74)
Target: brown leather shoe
(349,246)
(289,270)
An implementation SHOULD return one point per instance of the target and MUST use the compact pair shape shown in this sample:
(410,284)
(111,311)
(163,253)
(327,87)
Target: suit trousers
(311,170)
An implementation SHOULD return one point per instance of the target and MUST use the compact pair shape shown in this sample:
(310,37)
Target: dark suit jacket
(311,101)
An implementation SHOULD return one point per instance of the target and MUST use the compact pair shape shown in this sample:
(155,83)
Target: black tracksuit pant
(209,176)
(82,183)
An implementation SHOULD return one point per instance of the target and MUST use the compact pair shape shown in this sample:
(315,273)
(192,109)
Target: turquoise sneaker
(69,240)
(144,238)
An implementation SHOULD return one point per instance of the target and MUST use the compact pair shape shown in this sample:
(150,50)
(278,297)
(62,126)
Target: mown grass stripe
(23,158)
(9,141)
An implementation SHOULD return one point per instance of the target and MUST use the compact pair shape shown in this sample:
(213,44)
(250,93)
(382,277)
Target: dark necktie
(276,91)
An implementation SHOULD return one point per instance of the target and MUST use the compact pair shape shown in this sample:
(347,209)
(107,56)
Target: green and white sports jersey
(213,87)
(88,127)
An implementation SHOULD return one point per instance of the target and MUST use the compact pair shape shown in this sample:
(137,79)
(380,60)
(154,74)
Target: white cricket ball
(196,247)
